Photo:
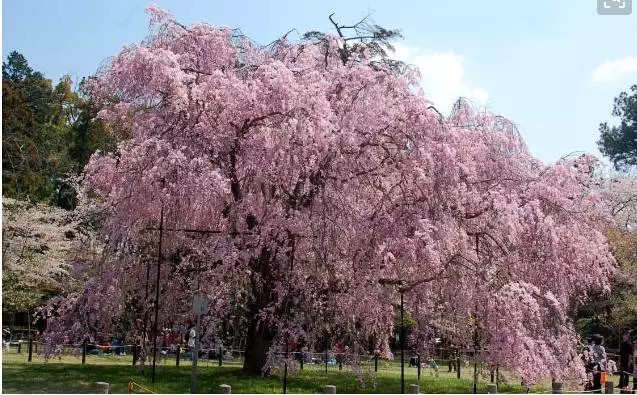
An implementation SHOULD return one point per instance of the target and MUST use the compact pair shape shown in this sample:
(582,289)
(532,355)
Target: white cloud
(614,70)
(442,76)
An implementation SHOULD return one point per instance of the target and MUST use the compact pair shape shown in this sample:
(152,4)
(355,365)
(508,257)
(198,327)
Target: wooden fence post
(84,352)
(135,354)
(30,347)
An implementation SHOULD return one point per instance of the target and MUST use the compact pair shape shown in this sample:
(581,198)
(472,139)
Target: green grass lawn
(68,375)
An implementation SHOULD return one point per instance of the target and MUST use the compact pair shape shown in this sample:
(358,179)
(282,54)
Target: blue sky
(553,66)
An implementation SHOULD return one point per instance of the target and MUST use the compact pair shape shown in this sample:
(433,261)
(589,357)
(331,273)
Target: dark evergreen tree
(619,143)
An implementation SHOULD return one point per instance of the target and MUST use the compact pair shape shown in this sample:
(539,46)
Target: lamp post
(161,233)
(161,230)
(199,307)
(402,288)
(402,345)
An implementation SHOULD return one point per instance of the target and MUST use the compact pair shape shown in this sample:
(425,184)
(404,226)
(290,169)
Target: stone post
(329,389)
(225,389)
(102,387)
(414,389)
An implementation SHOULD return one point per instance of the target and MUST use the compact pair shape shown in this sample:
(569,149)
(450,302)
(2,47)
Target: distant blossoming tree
(614,313)
(37,244)
(333,185)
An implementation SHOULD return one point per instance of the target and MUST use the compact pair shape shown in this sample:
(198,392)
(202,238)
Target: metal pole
(497,376)
(285,378)
(475,333)
(419,367)
(84,352)
(458,366)
(177,355)
(475,374)
(161,233)
(195,356)
(287,318)
(475,355)
(326,342)
(30,337)
(402,346)
(285,368)
(143,336)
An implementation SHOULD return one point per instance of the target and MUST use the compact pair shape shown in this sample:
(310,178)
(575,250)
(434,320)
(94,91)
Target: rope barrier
(238,354)
(132,385)
(79,345)
(234,352)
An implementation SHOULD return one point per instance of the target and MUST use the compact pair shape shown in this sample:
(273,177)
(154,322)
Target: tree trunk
(258,343)
(260,335)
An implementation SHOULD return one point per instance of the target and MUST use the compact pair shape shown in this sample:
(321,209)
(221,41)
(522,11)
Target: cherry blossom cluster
(330,187)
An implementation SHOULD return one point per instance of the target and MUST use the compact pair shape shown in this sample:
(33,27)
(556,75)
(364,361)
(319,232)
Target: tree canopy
(37,246)
(319,187)
(619,143)
(49,133)
(613,313)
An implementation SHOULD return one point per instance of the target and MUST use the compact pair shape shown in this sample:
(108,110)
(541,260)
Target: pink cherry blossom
(333,186)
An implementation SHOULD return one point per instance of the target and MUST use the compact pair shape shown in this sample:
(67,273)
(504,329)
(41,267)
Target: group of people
(107,346)
(599,366)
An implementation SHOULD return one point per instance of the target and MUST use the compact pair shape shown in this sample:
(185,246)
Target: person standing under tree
(599,360)
(634,360)
(191,341)
(625,353)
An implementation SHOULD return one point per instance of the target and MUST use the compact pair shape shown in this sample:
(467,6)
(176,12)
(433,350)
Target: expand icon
(614,7)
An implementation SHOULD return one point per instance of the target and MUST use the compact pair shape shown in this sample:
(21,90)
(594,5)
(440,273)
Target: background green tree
(615,312)
(49,133)
(619,143)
